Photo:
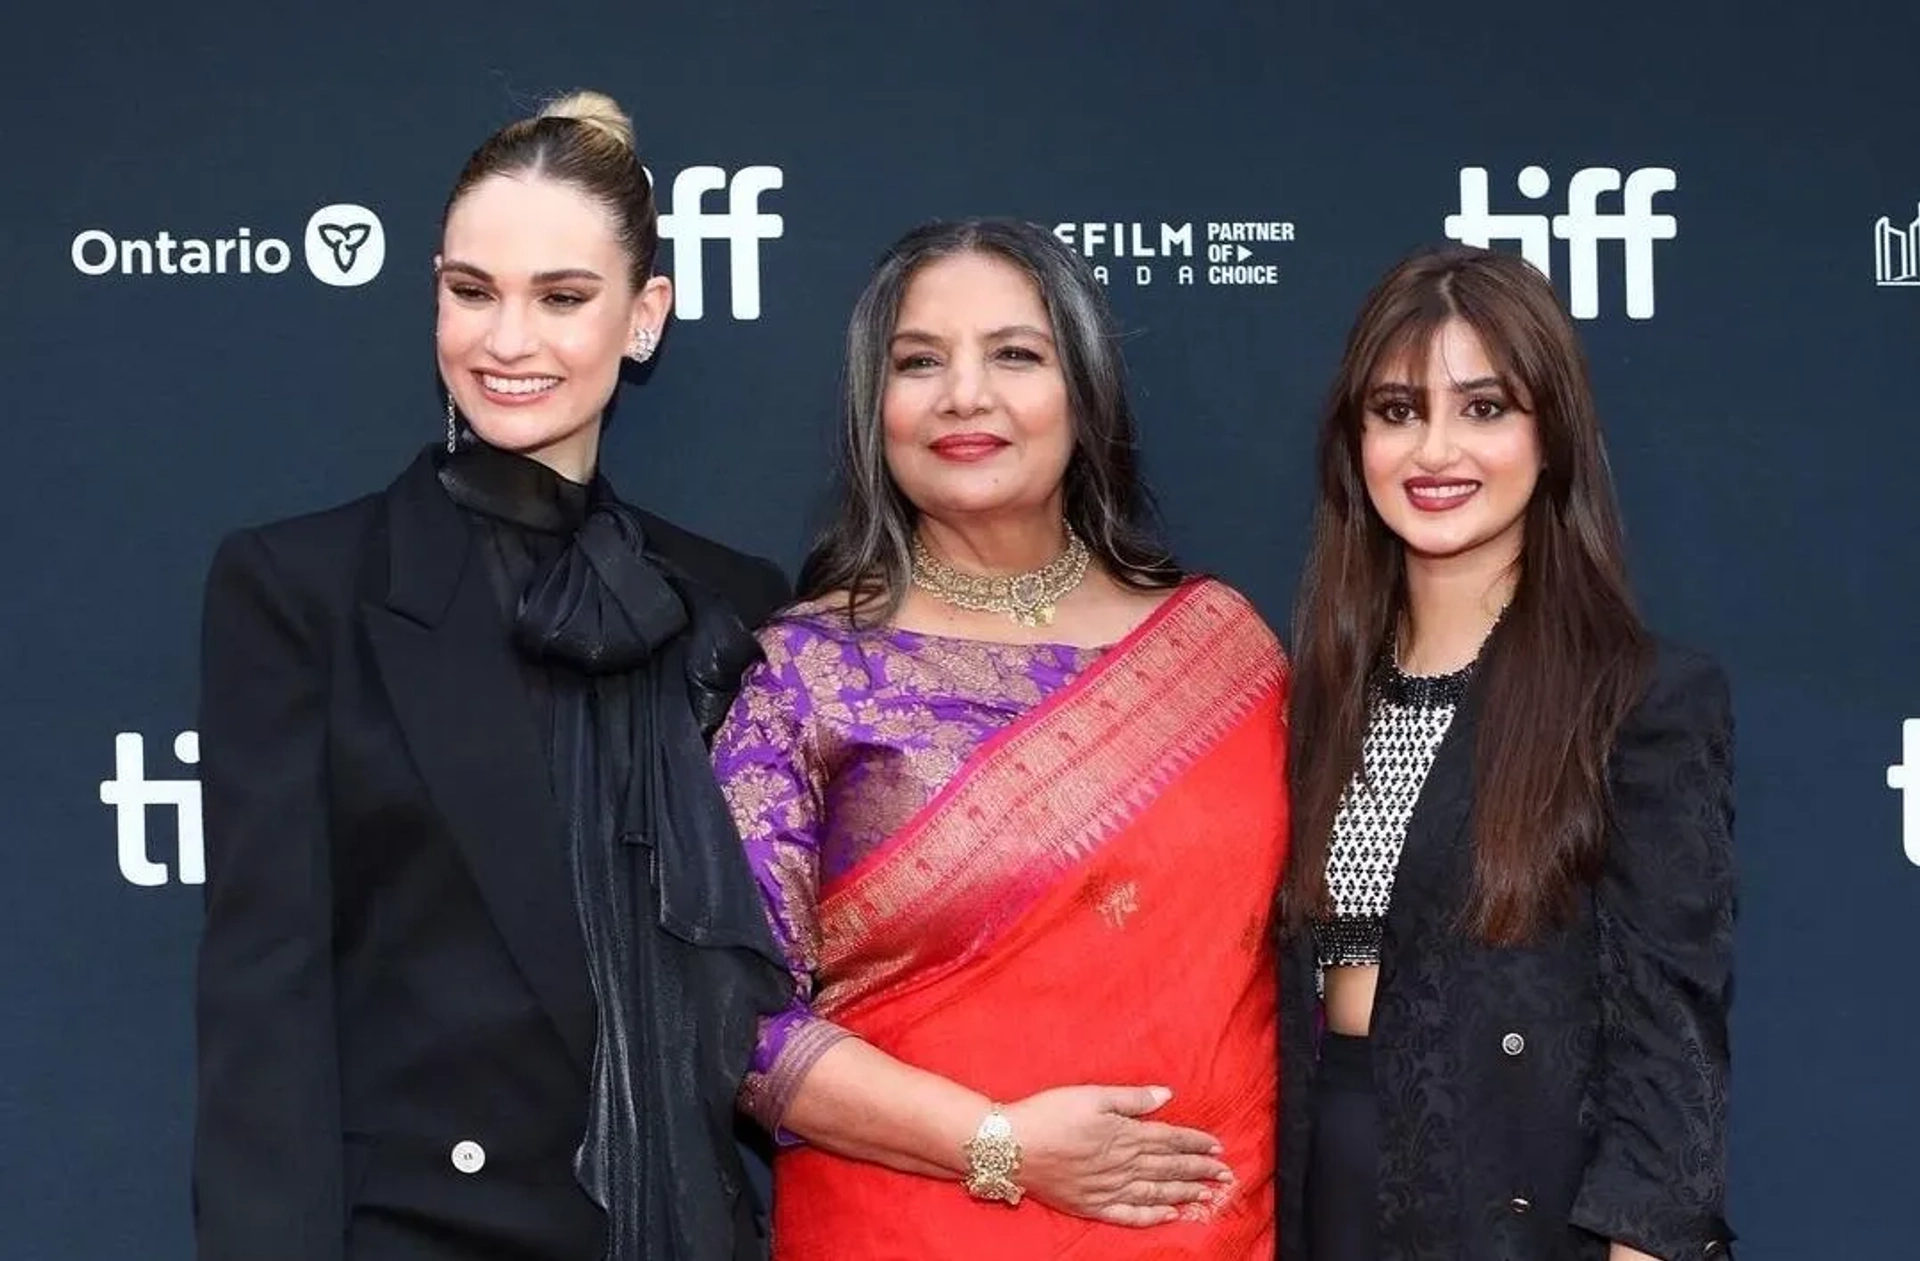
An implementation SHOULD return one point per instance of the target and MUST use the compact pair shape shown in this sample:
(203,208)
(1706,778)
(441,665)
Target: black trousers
(1343,1161)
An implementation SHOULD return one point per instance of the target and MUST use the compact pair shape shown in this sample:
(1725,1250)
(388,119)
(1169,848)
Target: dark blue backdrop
(1761,415)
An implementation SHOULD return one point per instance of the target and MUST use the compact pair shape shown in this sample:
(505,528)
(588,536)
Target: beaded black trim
(1348,939)
(1425,691)
(1421,691)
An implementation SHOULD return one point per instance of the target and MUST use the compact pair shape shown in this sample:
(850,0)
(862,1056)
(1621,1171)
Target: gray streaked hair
(866,550)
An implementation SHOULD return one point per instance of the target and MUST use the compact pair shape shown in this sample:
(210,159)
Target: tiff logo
(743,225)
(1584,225)
(1896,252)
(132,794)
(1904,778)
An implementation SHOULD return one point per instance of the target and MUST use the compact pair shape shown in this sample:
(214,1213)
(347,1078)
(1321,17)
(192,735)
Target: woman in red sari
(1013,788)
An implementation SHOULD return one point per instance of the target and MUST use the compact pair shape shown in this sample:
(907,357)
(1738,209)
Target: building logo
(1636,225)
(743,225)
(1904,778)
(132,795)
(345,245)
(1186,252)
(1896,253)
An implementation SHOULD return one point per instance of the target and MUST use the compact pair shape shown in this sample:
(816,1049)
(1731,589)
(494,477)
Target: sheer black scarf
(680,954)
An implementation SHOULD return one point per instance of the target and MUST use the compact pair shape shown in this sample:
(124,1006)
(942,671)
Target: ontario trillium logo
(345,245)
(345,242)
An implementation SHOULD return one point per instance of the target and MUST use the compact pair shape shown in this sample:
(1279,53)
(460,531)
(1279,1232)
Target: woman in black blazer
(483,963)
(1511,875)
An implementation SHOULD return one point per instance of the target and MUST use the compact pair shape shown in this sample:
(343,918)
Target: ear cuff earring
(640,349)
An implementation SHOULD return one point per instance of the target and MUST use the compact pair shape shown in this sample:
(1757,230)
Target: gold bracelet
(993,1157)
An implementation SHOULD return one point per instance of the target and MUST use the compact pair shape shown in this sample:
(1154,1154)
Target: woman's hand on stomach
(1089,1151)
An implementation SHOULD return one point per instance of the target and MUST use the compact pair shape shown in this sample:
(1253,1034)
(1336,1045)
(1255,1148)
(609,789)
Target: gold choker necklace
(1026,598)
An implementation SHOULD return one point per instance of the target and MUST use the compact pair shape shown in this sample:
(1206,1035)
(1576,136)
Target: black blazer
(395,1019)
(1537,1102)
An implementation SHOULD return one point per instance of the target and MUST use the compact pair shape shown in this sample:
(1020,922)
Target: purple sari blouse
(835,741)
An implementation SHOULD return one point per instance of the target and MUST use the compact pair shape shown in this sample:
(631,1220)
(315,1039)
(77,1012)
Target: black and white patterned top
(1408,717)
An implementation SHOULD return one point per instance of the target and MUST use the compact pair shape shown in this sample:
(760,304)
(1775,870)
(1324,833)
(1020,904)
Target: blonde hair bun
(597,110)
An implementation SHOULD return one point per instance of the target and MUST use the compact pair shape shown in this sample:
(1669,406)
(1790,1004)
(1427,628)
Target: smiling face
(536,308)
(975,404)
(1449,454)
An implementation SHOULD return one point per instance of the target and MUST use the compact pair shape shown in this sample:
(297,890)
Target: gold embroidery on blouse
(969,668)
(752,793)
(1056,789)
(773,646)
(920,751)
(892,789)
(766,1096)
(766,706)
(796,880)
(932,767)
(826,673)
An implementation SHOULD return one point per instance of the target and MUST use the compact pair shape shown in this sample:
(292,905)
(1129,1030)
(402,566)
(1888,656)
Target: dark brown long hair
(1569,657)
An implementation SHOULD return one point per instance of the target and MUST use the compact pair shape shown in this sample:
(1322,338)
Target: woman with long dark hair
(1013,787)
(1511,871)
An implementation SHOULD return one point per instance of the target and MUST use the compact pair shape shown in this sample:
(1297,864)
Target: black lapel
(451,674)
(1436,855)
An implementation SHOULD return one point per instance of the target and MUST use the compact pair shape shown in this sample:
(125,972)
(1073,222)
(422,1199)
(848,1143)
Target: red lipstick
(1439,494)
(965,448)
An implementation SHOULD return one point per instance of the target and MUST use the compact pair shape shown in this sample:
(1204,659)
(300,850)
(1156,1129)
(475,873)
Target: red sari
(1087,901)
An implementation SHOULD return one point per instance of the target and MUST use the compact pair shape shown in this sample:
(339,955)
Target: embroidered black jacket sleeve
(1665,908)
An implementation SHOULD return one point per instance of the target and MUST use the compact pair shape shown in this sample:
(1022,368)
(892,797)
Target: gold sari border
(1046,793)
